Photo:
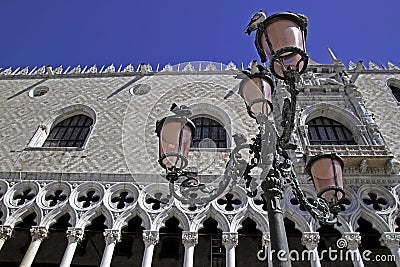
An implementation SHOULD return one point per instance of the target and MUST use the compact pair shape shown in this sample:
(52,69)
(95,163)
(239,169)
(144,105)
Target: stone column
(5,233)
(230,241)
(38,234)
(75,236)
(351,241)
(150,239)
(111,237)
(189,241)
(392,241)
(310,240)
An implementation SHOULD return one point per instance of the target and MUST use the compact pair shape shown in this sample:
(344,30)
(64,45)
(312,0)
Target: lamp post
(280,38)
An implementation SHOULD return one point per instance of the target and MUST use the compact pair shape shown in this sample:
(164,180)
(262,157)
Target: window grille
(325,131)
(71,132)
(209,134)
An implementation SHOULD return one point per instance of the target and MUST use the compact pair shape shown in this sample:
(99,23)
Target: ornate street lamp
(280,38)
(175,137)
(326,173)
(257,94)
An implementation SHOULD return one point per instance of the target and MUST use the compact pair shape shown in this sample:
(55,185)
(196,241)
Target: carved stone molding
(111,235)
(310,240)
(5,232)
(390,240)
(74,234)
(190,238)
(39,233)
(353,239)
(230,239)
(150,237)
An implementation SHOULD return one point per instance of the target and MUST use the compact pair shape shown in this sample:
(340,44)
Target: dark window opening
(395,92)
(171,242)
(215,249)
(325,131)
(170,247)
(209,134)
(71,132)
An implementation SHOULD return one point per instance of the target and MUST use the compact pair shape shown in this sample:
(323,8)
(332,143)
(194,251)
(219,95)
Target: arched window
(71,132)
(325,131)
(395,92)
(209,133)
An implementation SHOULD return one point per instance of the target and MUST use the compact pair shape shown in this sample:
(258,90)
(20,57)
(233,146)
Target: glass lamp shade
(257,94)
(326,172)
(283,42)
(175,136)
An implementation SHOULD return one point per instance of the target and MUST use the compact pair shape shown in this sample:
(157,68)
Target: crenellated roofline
(186,67)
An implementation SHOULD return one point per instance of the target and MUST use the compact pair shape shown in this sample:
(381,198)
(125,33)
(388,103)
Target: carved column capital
(150,237)
(74,234)
(39,233)
(190,238)
(112,236)
(310,240)
(230,239)
(390,240)
(352,239)
(272,187)
(5,232)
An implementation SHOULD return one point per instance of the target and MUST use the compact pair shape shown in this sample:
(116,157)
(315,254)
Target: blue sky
(88,32)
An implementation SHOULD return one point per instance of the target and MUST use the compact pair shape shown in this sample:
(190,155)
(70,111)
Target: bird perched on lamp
(255,21)
(181,110)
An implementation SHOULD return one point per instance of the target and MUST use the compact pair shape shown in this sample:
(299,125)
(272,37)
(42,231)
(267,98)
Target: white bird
(255,21)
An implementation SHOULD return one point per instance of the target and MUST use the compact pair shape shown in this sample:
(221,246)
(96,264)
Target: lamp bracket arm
(288,118)
(319,208)
(203,194)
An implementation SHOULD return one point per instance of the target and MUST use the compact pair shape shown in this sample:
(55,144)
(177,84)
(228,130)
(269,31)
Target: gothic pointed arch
(197,222)
(19,215)
(167,214)
(125,216)
(51,217)
(260,220)
(91,214)
(377,222)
